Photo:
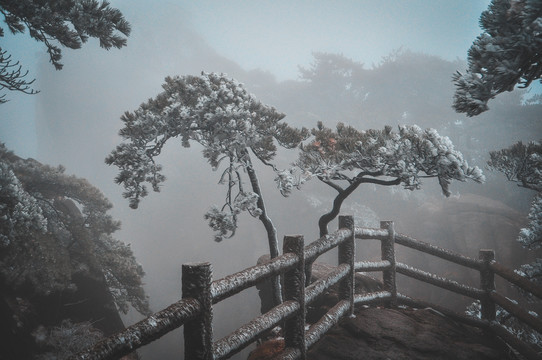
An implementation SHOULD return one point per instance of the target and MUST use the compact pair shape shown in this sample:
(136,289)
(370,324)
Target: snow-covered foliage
(505,54)
(53,226)
(381,157)
(406,156)
(533,272)
(216,112)
(66,340)
(522,164)
(531,236)
(19,212)
(510,323)
(57,23)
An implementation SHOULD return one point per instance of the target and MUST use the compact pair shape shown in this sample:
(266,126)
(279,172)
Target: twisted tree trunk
(268,225)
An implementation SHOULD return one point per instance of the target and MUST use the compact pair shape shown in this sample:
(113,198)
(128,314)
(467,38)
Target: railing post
(487,283)
(388,253)
(294,289)
(347,253)
(198,333)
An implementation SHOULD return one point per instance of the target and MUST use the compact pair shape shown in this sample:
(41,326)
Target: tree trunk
(268,225)
(337,203)
(344,193)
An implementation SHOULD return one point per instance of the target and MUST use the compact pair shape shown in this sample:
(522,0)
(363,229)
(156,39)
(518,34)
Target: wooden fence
(199,293)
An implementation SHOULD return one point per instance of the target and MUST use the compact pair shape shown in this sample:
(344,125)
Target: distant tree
(522,164)
(382,157)
(54,226)
(230,123)
(57,23)
(506,54)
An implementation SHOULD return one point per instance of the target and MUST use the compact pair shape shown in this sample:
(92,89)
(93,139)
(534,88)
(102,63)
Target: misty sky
(275,36)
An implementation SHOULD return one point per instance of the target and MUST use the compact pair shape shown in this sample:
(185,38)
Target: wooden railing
(199,293)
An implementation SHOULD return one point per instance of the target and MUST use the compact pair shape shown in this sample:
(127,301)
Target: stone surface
(395,334)
(463,224)
(380,333)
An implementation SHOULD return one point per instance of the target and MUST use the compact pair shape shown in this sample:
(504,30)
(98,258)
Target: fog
(401,56)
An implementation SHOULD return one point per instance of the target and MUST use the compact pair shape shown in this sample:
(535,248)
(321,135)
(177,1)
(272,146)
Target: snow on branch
(506,54)
(216,112)
(53,226)
(522,163)
(384,157)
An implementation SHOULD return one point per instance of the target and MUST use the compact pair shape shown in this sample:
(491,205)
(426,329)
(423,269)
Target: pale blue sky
(276,36)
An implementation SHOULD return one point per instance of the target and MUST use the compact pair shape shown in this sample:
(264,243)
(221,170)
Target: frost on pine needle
(510,323)
(346,157)
(19,212)
(506,54)
(66,340)
(54,226)
(222,222)
(218,113)
(522,163)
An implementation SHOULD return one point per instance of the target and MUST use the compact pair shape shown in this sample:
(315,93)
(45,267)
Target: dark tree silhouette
(57,23)
(46,240)
(506,54)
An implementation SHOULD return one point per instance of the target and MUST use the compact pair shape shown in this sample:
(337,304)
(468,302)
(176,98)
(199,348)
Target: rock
(405,333)
(382,333)
(463,224)
(267,350)
(398,334)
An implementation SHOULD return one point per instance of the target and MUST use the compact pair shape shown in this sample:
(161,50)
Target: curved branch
(343,194)
(331,183)
(337,203)
(265,162)
(396,181)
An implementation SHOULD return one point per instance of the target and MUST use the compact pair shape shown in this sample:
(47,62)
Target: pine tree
(506,54)
(67,23)
(382,157)
(522,163)
(218,113)
(54,226)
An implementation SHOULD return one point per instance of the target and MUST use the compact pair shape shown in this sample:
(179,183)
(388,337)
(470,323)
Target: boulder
(464,224)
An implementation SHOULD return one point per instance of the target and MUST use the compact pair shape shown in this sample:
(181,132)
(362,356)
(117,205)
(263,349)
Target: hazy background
(401,56)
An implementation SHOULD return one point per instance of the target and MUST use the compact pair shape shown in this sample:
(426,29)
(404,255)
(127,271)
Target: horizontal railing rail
(437,251)
(235,283)
(144,332)
(516,279)
(194,311)
(439,281)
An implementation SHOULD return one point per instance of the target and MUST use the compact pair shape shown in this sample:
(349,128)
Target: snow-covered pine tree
(53,227)
(522,164)
(57,23)
(346,158)
(218,113)
(506,54)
